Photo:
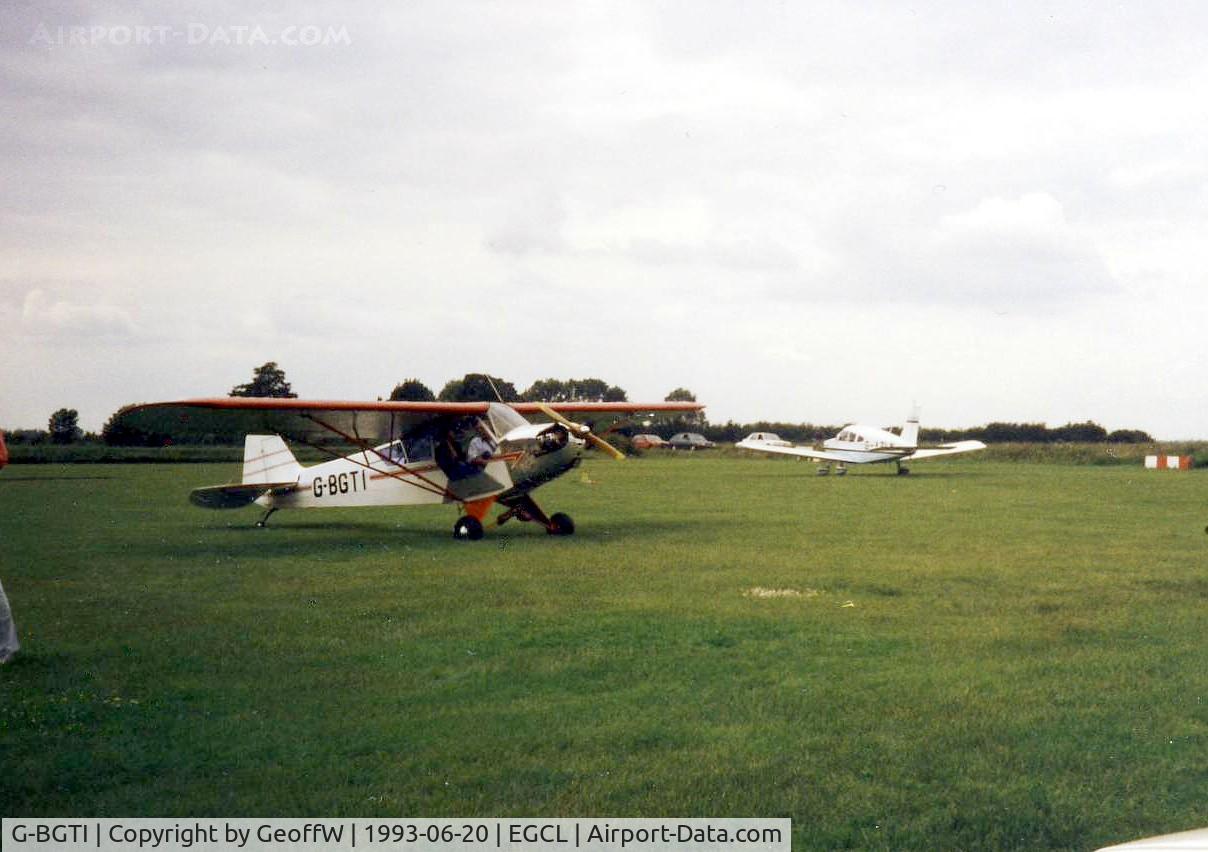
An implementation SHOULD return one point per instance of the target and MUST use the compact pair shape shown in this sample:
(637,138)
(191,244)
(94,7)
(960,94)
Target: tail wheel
(560,524)
(467,529)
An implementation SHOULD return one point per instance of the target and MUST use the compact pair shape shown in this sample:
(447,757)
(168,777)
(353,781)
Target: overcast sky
(804,212)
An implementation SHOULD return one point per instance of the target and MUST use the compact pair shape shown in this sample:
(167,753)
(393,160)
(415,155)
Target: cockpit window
(419,448)
(503,419)
(393,452)
(406,450)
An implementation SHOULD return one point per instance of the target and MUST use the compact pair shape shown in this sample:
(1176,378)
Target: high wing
(357,423)
(603,417)
(605,413)
(302,420)
(947,449)
(607,407)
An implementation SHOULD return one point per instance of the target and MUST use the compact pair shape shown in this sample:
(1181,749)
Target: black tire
(467,529)
(561,524)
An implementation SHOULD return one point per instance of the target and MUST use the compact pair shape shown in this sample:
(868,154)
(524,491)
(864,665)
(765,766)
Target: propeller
(582,431)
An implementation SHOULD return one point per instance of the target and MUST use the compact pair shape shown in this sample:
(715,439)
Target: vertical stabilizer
(267,459)
(910,431)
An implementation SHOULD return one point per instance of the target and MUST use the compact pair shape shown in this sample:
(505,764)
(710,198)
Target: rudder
(266,459)
(910,430)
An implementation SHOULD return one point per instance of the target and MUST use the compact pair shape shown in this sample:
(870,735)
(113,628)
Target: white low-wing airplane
(407,453)
(859,444)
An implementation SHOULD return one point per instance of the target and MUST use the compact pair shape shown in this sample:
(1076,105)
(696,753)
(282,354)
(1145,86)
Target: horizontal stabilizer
(236,495)
(948,449)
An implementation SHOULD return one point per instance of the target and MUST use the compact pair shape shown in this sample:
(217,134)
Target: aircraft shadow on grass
(929,474)
(295,539)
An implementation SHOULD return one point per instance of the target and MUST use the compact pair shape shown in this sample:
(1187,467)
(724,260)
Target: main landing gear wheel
(560,524)
(467,529)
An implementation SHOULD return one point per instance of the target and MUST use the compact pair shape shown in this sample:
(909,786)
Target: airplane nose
(553,438)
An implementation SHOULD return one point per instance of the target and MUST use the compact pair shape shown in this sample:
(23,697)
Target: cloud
(700,182)
(1169,173)
(44,316)
(680,232)
(1033,220)
(1013,251)
(1019,254)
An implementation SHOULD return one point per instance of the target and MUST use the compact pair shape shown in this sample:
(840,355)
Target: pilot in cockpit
(459,464)
(482,446)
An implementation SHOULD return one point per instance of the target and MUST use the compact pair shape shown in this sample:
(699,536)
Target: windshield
(503,419)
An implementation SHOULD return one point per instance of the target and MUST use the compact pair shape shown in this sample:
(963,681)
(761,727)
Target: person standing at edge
(8,631)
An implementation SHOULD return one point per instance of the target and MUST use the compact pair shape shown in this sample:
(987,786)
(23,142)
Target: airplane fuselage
(860,444)
(527,457)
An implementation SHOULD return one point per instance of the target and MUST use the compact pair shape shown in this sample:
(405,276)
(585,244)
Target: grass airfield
(981,655)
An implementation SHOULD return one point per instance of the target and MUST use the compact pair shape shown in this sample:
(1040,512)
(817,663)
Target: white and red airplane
(860,444)
(406,453)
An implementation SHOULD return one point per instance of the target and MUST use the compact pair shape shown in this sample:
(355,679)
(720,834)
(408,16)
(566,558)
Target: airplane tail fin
(3,451)
(266,459)
(910,431)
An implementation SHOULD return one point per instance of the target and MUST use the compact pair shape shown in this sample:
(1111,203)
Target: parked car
(768,438)
(648,442)
(690,441)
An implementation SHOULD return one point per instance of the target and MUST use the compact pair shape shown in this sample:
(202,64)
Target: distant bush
(1037,433)
(1129,436)
(18,437)
(622,442)
(1097,453)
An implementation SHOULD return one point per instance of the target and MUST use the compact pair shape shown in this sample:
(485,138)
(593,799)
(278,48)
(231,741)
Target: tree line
(269,380)
(480,387)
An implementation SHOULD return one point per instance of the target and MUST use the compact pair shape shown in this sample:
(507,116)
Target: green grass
(983,655)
